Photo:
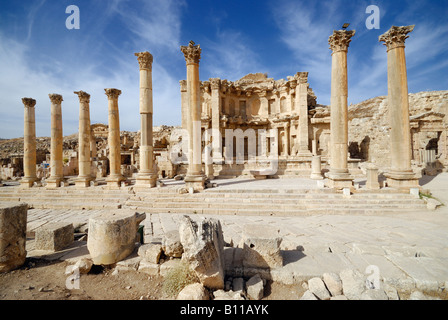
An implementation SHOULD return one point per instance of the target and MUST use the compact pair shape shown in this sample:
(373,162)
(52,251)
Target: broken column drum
(29,143)
(400,175)
(146,174)
(112,235)
(56,163)
(13,221)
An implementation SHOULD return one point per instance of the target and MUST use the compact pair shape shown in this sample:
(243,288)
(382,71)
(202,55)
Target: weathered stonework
(13,218)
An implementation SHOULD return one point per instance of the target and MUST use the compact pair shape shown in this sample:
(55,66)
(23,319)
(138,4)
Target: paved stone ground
(410,250)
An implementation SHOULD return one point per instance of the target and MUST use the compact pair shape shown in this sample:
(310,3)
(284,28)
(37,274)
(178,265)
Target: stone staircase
(273,202)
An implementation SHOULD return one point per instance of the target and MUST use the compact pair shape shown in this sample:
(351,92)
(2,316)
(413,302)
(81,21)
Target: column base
(340,179)
(197,182)
(115,181)
(83,182)
(54,182)
(316,176)
(146,179)
(27,182)
(402,180)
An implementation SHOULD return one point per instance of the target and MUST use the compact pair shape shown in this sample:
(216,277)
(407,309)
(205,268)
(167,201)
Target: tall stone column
(56,164)
(216,115)
(302,106)
(195,177)
(115,177)
(400,174)
(29,144)
(146,174)
(339,176)
(84,160)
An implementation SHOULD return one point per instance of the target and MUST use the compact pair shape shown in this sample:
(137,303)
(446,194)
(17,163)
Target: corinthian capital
(340,40)
(192,52)
(214,83)
(396,36)
(144,60)
(183,85)
(29,102)
(112,93)
(55,98)
(83,96)
(302,77)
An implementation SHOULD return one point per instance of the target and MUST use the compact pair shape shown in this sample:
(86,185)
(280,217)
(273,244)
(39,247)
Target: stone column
(146,174)
(302,106)
(93,149)
(316,168)
(216,115)
(184,103)
(56,163)
(400,174)
(372,177)
(84,160)
(339,176)
(195,177)
(29,143)
(115,177)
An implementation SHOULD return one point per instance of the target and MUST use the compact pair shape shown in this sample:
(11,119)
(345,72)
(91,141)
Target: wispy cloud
(91,63)
(229,57)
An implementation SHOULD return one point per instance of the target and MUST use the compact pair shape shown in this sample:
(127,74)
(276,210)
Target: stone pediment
(430,116)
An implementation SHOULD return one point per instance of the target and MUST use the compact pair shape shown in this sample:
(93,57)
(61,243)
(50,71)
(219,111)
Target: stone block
(255,288)
(261,246)
(150,252)
(13,218)
(203,245)
(54,236)
(195,291)
(171,245)
(113,235)
(333,283)
(317,287)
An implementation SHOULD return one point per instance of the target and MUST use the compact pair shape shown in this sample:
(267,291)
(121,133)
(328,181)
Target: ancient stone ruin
(255,127)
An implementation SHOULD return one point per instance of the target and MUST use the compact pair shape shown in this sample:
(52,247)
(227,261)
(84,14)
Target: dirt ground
(44,280)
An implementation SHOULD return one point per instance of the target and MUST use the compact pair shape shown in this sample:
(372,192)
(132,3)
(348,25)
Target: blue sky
(39,55)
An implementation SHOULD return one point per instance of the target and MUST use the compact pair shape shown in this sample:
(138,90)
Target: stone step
(299,205)
(275,200)
(272,212)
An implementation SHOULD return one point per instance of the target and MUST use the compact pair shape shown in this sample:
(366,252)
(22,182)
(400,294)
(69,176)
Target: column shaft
(400,174)
(339,174)
(29,143)
(115,177)
(56,163)
(84,159)
(147,174)
(195,177)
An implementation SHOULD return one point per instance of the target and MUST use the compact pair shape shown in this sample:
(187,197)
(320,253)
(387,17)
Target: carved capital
(396,36)
(340,40)
(215,83)
(144,60)
(302,77)
(192,53)
(83,96)
(183,85)
(112,93)
(55,98)
(29,102)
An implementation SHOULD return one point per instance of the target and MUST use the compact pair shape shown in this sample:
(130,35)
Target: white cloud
(27,73)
